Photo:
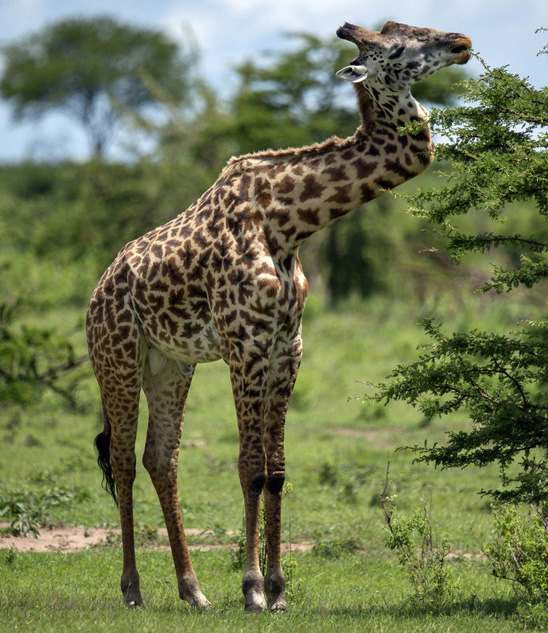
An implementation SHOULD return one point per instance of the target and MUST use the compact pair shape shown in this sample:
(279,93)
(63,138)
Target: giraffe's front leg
(284,365)
(248,370)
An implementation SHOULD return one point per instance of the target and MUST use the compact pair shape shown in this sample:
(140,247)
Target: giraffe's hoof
(278,606)
(274,585)
(190,591)
(132,598)
(257,606)
(134,602)
(201,603)
(252,587)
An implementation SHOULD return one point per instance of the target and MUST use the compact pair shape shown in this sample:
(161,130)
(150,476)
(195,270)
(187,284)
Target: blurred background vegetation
(62,223)
(107,76)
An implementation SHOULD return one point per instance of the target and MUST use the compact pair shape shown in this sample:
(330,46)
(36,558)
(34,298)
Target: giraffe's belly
(186,341)
(203,348)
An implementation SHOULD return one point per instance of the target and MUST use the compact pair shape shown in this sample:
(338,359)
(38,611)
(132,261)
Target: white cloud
(228,31)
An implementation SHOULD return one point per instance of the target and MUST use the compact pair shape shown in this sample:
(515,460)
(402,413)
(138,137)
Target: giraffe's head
(399,55)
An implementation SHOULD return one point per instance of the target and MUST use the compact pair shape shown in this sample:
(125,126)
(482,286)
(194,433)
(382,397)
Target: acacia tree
(497,148)
(94,70)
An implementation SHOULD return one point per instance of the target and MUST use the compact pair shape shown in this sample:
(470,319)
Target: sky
(229,31)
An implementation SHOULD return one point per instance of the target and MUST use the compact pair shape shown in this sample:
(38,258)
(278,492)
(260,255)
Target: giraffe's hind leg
(122,458)
(166,389)
(116,356)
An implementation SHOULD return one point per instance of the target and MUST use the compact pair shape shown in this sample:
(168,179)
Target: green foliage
(421,555)
(29,510)
(88,212)
(33,360)
(496,147)
(498,380)
(518,552)
(335,548)
(93,69)
(292,99)
(237,553)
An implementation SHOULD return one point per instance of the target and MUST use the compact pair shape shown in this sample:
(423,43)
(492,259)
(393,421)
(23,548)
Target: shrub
(518,552)
(33,360)
(420,553)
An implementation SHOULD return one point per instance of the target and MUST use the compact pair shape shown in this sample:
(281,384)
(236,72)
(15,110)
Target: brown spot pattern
(223,281)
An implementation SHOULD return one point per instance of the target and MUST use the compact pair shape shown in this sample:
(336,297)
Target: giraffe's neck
(304,190)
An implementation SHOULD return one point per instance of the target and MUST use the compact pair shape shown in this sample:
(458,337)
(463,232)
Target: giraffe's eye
(397,53)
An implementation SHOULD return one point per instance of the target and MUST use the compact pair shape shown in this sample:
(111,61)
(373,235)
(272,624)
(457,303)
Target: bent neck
(309,188)
(381,107)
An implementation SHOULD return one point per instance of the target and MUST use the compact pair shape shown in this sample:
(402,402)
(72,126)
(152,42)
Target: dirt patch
(458,554)
(76,539)
(383,437)
(59,539)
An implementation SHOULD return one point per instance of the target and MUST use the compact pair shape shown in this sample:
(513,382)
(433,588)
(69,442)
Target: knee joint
(256,484)
(275,484)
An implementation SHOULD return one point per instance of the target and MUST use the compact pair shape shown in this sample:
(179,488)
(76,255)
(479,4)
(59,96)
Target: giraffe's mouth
(463,50)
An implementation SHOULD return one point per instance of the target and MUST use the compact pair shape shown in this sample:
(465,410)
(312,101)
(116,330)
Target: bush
(420,553)
(34,360)
(518,552)
(497,149)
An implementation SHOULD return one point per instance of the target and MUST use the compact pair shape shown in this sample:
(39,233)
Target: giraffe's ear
(355,74)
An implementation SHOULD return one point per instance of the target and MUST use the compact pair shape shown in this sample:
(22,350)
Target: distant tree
(292,98)
(94,70)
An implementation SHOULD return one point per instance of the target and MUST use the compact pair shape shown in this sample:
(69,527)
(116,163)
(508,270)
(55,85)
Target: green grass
(79,592)
(337,450)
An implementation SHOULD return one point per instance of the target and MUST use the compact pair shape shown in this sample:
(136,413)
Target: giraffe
(223,281)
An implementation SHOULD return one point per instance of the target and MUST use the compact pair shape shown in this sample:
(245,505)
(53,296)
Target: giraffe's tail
(102,445)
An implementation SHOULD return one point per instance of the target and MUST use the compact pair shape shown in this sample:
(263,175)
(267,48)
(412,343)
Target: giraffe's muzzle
(463,49)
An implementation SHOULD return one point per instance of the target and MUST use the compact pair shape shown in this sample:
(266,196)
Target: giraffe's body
(223,281)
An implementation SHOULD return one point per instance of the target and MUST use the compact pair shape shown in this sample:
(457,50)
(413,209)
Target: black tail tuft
(102,444)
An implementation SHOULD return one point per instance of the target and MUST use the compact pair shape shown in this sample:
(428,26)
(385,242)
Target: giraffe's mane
(308,151)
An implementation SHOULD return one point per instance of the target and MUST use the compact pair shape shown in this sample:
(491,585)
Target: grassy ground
(77,592)
(337,450)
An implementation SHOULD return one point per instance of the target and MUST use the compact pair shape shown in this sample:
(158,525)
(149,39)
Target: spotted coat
(223,281)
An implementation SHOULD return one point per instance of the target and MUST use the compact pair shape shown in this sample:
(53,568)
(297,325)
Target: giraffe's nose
(462,47)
